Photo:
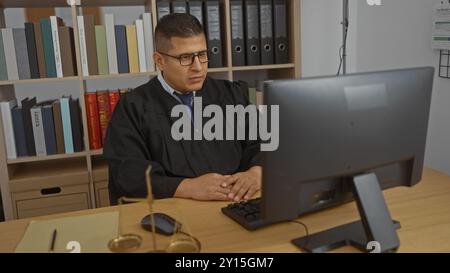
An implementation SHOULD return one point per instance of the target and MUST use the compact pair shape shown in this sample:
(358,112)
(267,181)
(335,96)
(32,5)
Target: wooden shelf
(131,75)
(44,158)
(96,152)
(38,169)
(123,75)
(99,3)
(32,3)
(34,81)
(63,3)
(263,67)
(216,70)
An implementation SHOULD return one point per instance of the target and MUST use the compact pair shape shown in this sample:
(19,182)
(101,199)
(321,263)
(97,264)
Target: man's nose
(196,65)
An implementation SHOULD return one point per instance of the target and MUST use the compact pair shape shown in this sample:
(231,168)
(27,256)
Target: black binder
(266,31)
(196,9)
(213,33)
(280,31)
(252,32)
(179,6)
(32,51)
(237,32)
(163,8)
(77,132)
(28,126)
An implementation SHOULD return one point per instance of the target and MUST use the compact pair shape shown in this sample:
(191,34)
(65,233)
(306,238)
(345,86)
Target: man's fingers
(235,189)
(228,180)
(243,190)
(220,196)
(251,191)
(225,191)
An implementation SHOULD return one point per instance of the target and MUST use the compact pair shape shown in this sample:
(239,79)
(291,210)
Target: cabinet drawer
(51,205)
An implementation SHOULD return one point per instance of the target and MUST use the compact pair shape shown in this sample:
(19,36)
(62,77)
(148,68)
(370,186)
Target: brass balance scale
(181,242)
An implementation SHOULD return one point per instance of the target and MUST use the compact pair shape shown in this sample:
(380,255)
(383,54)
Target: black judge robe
(139,134)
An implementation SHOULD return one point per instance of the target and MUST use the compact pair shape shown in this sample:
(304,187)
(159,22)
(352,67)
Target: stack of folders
(259,32)
(45,128)
(208,14)
(44,49)
(258,29)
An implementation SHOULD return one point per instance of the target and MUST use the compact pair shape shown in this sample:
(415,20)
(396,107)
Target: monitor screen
(332,128)
(341,139)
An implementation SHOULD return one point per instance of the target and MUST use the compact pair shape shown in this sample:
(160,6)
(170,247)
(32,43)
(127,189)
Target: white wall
(321,37)
(395,35)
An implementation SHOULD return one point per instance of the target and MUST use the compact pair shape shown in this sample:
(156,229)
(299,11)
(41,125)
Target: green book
(49,53)
(252,95)
(102,51)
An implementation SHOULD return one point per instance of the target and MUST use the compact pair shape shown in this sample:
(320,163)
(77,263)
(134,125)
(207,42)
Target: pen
(52,242)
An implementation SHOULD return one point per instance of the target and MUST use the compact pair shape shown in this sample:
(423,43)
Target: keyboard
(246,213)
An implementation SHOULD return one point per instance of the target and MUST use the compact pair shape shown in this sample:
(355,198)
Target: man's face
(183,78)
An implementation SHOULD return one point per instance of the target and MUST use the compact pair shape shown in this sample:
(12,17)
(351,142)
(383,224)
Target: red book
(104,112)
(95,141)
(114,97)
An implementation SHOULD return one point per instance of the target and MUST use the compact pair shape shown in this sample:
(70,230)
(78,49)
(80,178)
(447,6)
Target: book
(38,130)
(27,103)
(75,121)
(40,50)
(55,23)
(83,50)
(3,68)
(8,130)
(111,43)
(19,131)
(114,96)
(141,45)
(67,47)
(104,112)
(49,128)
(93,123)
(49,52)
(57,122)
(20,43)
(91,48)
(252,95)
(122,51)
(10,54)
(133,61)
(148,39)
(66,124)
(32,52)
(102,50)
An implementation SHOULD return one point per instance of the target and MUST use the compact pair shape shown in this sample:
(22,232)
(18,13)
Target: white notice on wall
(441,27)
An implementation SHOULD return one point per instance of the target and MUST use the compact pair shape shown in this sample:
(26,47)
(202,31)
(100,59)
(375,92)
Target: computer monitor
(341,139)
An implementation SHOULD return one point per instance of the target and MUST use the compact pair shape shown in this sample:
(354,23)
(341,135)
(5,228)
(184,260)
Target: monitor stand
(375,226)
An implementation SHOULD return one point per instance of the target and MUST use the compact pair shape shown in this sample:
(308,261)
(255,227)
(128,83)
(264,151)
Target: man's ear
(159,60)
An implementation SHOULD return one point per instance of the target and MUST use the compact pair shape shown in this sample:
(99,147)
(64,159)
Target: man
(139,132)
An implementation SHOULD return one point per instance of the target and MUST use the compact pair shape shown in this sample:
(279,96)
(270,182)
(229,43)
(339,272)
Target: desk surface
(423,211)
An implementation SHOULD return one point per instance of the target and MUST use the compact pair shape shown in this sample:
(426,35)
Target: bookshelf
(88,162)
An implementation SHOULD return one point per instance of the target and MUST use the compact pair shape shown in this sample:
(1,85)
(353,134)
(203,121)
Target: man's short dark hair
(181,25)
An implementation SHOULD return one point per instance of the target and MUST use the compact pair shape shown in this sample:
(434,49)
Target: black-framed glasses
(188,59)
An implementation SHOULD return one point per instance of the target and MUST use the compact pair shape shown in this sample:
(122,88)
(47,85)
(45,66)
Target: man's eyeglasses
(188,59)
